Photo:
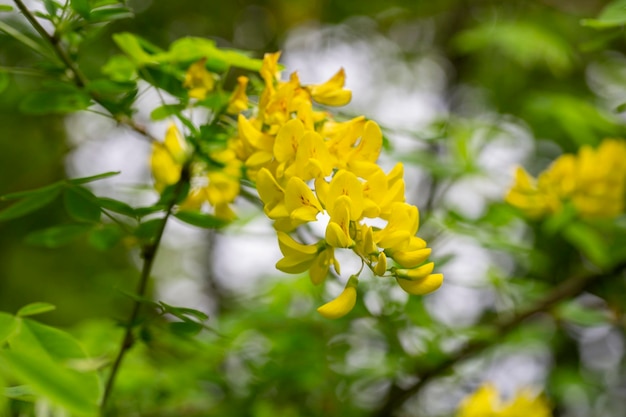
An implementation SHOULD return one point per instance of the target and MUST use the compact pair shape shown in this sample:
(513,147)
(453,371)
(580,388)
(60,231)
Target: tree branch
(566,290)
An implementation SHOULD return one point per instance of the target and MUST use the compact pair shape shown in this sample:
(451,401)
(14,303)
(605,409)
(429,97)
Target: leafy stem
(568,289)
(148,253)
(78,77)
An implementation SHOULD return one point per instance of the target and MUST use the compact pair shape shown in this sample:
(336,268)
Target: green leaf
(198,219)
(35,308)
(81,204)
(190,49)
(120,68)
(6,8)
(56,236)
(25,40)
(8,325)
(144,211)
(148,229)
(110,14)
(576,313)
(589,242)
(166,111)
(525,42)
(51,7)
(37,191)
(171,191)
(613,15)
(185,328)
(36,358)
(92,178)
(133,47)
(82,7)
(34,201)
(116,206)
(105,237)
(45,102)
(183,312)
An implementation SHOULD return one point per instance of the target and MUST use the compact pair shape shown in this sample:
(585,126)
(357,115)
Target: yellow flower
(168,158)
(401,227)
(594,181)
(482,403)
(345,183)
(312,158)
(486,402)
(198,80)
(332,93)
(269,68)
(343,304)
(338,228)
(301,203)
(297,257)
(238,101)
(272,195)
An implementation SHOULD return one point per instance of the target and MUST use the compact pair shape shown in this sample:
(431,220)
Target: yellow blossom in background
(198,80)
(593,181)
(238,101)
(486,402)
(167,159)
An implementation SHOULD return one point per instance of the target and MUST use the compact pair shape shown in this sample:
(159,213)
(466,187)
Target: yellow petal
(332,93)
(345,183)
(198,80)
(290,248)
(299,195)
(341,305)
(288,140)
(421,286)
(416,273)
(321,265)
(411,259)
(381,265)
(272,195)
(238,101)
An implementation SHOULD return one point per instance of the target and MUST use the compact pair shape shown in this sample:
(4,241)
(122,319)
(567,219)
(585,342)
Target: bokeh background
(464,91)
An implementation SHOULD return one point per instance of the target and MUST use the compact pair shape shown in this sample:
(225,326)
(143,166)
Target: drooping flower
(343,304)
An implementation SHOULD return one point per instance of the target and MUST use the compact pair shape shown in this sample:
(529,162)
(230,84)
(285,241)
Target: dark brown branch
(566,290)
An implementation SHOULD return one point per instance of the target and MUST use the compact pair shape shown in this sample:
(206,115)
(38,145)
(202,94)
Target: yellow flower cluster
(307,166)
(594,181)
(486,402)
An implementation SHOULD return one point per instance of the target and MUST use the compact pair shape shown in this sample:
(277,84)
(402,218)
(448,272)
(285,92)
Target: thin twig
(148,254)
(567,289)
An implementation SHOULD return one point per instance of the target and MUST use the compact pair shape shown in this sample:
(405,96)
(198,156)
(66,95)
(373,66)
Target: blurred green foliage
(550,69)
